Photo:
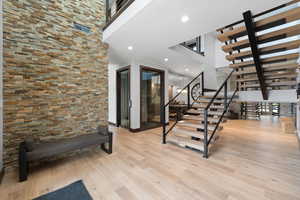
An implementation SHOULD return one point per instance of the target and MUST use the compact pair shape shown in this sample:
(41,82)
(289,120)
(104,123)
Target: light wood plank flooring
(251,160)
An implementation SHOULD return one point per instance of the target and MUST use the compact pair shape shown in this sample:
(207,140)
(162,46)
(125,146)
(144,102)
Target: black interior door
(123,98)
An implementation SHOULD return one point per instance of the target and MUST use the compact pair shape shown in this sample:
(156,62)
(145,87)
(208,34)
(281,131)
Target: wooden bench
(30,151)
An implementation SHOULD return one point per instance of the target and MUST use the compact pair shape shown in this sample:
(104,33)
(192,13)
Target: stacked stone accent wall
(55,76)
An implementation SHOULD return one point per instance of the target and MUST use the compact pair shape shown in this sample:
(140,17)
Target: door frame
(118,96)
(162,93)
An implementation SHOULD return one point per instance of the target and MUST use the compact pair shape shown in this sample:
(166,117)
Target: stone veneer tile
(55,77)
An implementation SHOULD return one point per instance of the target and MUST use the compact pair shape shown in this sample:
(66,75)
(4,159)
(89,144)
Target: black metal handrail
(226,106)
(163,110)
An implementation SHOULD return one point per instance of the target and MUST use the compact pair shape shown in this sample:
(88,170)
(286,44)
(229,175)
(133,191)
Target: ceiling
(157,27)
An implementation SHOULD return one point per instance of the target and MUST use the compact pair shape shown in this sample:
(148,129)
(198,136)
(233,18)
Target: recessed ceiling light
(185,18)
(187,69)
(166,59)
(130,48)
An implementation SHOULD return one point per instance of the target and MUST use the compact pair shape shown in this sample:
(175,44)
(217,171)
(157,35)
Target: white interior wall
(1,90)
(135,96)
(209,64)
(220,55)
(112,93)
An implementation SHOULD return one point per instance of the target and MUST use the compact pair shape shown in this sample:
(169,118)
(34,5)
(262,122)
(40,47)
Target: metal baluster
(225,95)
(202,83)
(205,155)
(164,125)
(188,96)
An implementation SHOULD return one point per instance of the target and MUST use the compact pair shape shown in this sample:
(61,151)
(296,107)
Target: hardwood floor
(251,160)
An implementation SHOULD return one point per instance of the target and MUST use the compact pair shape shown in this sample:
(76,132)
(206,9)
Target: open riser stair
(264,48)
(189,131)
(199,125)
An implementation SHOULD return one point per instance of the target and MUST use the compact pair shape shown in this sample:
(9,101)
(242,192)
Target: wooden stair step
(288,16)
(206,101)
(265,60)
(200,118)
(270,68)
(286,46)
(211,107)
(288,32)
(186,142)
(198,126)
(268,77)
(286,83)
(188,133)
(199,112)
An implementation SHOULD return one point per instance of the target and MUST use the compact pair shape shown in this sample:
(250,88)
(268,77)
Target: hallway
(251,160)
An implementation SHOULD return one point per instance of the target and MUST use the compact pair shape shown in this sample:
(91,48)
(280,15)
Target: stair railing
(189,105)
(207,140)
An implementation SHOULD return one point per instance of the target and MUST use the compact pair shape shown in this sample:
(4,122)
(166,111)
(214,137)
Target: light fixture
(166,59)
(130,48)
(187,69)
(185,18)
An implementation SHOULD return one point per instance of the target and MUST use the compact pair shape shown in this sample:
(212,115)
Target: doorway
(123,97)
(152,97)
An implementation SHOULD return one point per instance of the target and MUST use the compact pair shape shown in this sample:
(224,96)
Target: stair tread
(183,141)
(193,111)
(190,124)
(199,118)
(180,131)
(208,101)
(211,107)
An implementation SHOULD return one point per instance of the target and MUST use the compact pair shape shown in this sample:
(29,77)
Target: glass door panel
(123,112)
(151,98)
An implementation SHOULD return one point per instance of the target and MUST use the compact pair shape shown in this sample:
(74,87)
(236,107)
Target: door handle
(130,103)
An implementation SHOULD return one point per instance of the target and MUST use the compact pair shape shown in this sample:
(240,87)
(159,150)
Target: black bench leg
(23,165)
(110,144)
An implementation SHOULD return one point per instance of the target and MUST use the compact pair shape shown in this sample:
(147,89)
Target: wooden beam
(255,53)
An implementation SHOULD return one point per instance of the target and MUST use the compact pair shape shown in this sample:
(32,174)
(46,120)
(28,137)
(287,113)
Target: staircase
(197,128)
(189,132)
(263,48)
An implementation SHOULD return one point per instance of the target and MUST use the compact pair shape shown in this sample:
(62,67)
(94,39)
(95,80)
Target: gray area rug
(74,191)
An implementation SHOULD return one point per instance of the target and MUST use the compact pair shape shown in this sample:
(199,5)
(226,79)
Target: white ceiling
(157,27)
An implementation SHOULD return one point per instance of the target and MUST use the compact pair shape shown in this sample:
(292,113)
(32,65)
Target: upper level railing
(187,88)
(196,45)
(227,102)
(114,8)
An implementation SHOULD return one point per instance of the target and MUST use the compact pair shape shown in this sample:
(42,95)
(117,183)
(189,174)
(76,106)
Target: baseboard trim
(111,123)
(1,175)
(135,130)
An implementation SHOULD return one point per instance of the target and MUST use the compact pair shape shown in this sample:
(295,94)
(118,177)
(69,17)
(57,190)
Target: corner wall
(55,76)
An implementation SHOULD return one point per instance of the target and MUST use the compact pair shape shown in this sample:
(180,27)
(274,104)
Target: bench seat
(32,151)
